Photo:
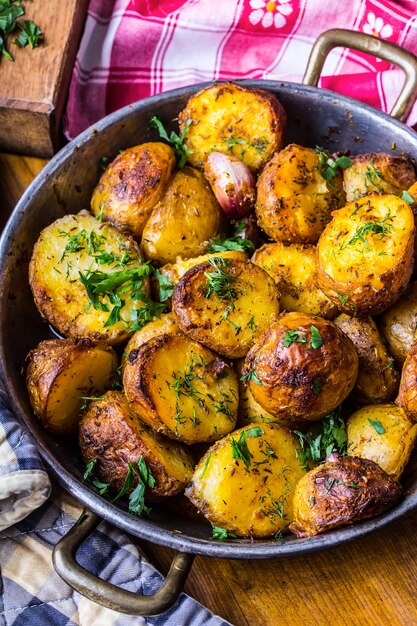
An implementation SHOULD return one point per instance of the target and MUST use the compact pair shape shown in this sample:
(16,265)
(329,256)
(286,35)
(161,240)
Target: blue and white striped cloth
(32,594)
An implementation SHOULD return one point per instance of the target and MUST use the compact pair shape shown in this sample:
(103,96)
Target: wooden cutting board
(34,88)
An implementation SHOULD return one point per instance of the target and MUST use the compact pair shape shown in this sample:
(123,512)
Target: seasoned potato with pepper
(111,433)
(225,304)
(184,221)
(407,395)
(175,271)
(377,379)
(132,185)
(365,254)
(398,324)
(164,325)
(293,268)
(245,482)
(87,279)
(181,389)
(229,118)
(382,433)
(341,491)
(301,368)
(60,373)
(377,172)
(294,201)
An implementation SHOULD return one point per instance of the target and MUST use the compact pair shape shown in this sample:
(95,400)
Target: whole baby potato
(294,201)
(398,324)
(382,433)
(341,491)
(407,395)
(132,184)
(301,368)
(184,220)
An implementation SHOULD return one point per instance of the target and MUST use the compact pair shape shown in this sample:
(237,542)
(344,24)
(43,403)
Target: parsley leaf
(221,533)
(255,431)
(29,34)
(294,336)
(89,468)
(316,340)
(144,478)
(332,438)
(240,449)
(165,286)
(251,375)
(376,424)
(330,167)
(10,11)
(176,141)
(407,197)
(241,244)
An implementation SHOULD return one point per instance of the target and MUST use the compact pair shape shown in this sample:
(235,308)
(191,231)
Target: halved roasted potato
(184,221)
(341,491)
(377,379)
(384,434)
(87,279)
(398,324)
(61,373)
(293,268)
(111,433)
(175,271)
(294,201)
(181,389)
(132,184)
(407,395)
(230,118)
(245,482)
(377,172)
(365,254)
(301,368)
(164,325)
(225,304)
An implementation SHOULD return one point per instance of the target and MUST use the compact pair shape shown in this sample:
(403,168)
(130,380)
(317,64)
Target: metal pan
(316,117)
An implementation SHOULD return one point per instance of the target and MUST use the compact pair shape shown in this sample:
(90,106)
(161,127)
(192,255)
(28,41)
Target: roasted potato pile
(238,279)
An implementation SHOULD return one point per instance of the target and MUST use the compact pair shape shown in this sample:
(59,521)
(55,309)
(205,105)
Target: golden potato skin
(175,271)
(132,184)
(253,500)
(181,389)
(163,325)
(184,221)
(249,410)
(112,434)
(377,379)
(340,492)
(398,324)
(60,372)
(377,172)
(407,395)
(365,254)
(392,448)
(229,118)
(64,249)
(293,268)
(294,202)
(229,321)
(294,380)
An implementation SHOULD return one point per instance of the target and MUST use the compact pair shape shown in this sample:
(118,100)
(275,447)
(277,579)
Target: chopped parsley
(144,478)
(221,533)
(333,438)
(377,426)
(176,141)
(101,487)
(240,244)
(251,375)
(165,286)
(240,450)
(30,33)
(255,431)
(259,145)
(330,167)
(299,335)
(407,197)
(343,299)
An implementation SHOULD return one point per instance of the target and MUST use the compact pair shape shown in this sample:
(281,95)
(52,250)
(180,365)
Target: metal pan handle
(107,594)
(339,37)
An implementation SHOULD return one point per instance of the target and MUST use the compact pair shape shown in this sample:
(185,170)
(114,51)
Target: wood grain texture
(33,89)
(370,582)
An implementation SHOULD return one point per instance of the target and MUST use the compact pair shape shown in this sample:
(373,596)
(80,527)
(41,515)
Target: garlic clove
(232,182)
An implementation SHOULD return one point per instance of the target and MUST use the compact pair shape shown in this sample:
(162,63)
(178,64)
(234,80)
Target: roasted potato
(77,269)
(184,221)
(293,268)
(377,172)
(294,202)
(131,186)
(341,491)
(407,395)
(301,368)
(181,389)
(225,304)
(398,324)
(111,433)
(382,433)
(365,254)
(245,482)
(60,373)
(229,118)
(164,325)
(249,410)
(175,271)
(377,379)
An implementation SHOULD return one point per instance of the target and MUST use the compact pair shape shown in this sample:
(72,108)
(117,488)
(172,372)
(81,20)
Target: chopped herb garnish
(255,431)
(376,424)
(317,387)
(30,33)
(221,533)
(377,227)
(278,537)
(233,243)
(316,340)
(251,375)
(103,162)
(330,167)
(407,197)
(89,468)
(165,286)
(176,141)
(294,336)
(102,488)
(240,449)
(343,299)
(144,478)
(219,281)
(333,438)
(207,461)
(233,140)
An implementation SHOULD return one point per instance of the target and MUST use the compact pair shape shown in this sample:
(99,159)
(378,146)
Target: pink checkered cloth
(132,49)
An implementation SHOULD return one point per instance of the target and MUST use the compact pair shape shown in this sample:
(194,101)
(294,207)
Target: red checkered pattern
(136,48)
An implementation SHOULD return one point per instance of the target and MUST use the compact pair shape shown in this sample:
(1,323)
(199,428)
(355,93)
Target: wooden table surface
(371,581)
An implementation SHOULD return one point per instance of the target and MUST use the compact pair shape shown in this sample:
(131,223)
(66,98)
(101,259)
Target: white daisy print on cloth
(270,13)
(376,27)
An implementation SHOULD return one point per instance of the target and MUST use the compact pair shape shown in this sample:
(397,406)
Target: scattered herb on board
(233,243)
(221,533)
(377,426)
(333,438)
(176,141)
(30,34)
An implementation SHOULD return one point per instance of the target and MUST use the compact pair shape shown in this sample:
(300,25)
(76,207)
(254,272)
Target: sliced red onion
(232,182)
